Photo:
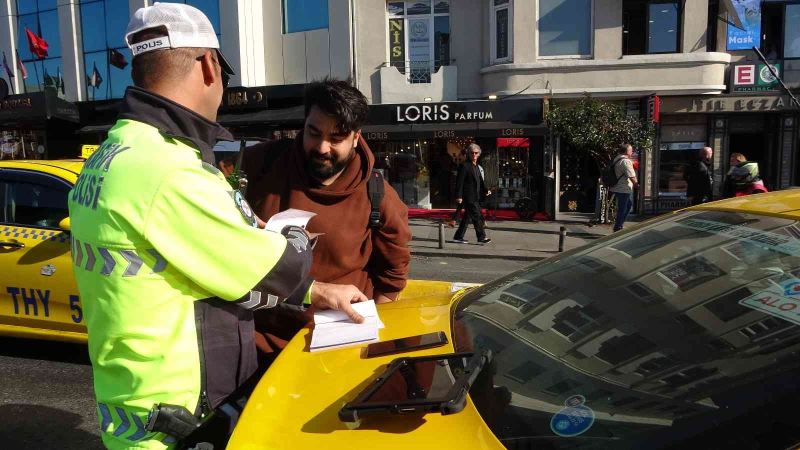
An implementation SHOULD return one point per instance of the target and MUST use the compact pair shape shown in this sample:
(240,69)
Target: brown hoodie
(349,251)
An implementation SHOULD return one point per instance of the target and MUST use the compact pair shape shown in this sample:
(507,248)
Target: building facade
(473,56)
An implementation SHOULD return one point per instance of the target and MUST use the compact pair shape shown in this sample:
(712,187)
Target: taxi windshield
(682,333)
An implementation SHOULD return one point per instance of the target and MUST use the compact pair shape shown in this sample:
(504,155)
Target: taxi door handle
(12,244)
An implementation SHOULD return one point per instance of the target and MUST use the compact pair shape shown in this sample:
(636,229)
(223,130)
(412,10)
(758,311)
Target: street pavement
(511,240)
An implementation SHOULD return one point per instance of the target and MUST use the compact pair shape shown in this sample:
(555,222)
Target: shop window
(525,372)
(792,26)
(304,15)
(727,307)
(513,181)
(41,18)
(562,387)
(650,27)
(622,348)
(404,165)
(676,157)
(106,57)
(713,24)
(419,37)
(578,321)
(772,21)
(21,144)
(565,28)
(500,30)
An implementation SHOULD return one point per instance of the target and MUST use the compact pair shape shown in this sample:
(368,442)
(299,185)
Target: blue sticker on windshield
(573,420)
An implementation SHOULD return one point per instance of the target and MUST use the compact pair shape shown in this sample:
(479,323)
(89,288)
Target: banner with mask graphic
(749,15)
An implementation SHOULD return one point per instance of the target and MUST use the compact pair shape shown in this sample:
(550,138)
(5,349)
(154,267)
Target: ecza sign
(754,78)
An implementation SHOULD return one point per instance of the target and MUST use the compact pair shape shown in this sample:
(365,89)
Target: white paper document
(334,329)
(296,217)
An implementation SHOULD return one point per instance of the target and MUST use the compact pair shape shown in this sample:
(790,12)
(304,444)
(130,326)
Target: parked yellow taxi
(682,332)
(38,295)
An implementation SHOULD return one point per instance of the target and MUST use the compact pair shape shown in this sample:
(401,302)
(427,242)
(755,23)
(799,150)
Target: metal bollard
(562,236)
(441,235)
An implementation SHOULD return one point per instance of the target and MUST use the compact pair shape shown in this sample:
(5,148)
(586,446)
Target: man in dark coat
(699,178)
(470,190)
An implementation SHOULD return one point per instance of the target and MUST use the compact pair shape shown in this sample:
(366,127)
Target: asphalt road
(468,270)
(46,397)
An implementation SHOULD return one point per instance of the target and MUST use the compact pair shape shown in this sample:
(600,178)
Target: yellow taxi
(681,332)
(38,295)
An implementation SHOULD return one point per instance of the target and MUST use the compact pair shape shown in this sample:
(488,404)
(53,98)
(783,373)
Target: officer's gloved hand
(297,236)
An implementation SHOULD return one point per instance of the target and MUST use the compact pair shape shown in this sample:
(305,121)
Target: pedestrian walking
(699,178)
(743,178)
(626,182)
(470,190)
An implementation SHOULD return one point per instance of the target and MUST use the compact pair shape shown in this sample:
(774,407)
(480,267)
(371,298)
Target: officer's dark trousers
(472,213)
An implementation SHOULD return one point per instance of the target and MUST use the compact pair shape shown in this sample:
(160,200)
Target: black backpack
(609,176)
(375,188)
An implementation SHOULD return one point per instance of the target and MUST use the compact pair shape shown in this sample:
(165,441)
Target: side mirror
(64,224)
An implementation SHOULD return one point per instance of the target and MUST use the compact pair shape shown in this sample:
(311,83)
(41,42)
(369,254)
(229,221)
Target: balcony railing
(417,72)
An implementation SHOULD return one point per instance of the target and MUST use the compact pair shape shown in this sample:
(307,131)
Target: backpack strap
(615,171)
(375,192)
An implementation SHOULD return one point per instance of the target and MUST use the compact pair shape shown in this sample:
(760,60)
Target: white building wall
(8,33)
(69,21)
(302,57)
(242,30)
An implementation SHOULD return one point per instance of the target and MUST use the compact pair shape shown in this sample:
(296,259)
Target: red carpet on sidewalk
(491,214)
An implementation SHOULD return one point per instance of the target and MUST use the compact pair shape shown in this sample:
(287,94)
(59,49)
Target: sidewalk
(515,240)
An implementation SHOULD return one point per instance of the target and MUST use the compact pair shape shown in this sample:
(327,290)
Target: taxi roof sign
(87,150)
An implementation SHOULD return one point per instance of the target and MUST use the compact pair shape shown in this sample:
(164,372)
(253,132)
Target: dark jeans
(472,212)
(624,205)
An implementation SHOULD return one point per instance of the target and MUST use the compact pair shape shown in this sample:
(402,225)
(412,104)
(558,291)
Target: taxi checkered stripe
(37,235)
(102,260)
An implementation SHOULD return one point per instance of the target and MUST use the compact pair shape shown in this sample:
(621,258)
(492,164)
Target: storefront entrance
(424,172)
(754,147)
(419,147)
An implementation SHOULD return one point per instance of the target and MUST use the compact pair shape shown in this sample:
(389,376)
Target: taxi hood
(296,403)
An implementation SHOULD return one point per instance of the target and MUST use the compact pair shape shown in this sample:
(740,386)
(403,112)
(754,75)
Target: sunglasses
(226,78)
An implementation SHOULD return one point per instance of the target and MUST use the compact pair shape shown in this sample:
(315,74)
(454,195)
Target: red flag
(37,44)
(117,59)
(21,67)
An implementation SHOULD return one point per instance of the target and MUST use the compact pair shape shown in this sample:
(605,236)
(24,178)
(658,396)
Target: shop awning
(445,130)
(36,108)
(386,132)
(293,116)
(451,130)
(510,129)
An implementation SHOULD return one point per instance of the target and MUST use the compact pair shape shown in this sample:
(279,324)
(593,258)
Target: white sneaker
(461,241)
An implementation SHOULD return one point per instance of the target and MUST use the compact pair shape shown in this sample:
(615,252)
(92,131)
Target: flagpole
(108,74)
(38,82)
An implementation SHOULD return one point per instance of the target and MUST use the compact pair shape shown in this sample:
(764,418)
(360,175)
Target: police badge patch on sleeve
(244,208)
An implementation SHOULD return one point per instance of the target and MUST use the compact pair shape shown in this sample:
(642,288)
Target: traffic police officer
(169,261)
